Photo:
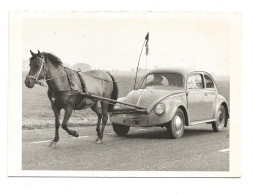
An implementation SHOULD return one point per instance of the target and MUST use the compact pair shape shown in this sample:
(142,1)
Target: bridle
(36,76)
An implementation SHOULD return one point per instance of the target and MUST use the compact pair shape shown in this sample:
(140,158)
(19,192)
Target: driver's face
(157,79)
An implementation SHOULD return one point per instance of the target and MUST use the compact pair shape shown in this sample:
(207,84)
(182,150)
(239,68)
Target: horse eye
(36,64)
(33,65)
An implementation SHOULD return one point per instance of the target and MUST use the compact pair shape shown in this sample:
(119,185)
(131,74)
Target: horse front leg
(67,114)
(57,125)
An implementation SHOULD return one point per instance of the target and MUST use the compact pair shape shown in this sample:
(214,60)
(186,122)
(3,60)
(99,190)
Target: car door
(210,96)
(195,97)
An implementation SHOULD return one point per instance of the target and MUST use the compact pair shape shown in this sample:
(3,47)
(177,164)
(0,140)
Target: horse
(64,85)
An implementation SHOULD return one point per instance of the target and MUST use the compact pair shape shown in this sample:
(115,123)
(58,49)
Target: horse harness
(69,92)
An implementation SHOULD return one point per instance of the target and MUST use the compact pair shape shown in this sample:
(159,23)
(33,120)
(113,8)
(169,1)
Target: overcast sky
(114,40)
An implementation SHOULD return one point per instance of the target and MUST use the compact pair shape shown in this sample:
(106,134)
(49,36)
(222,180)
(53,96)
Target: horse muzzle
(29,82)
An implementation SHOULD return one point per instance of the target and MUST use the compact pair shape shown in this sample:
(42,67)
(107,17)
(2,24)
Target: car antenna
(146,45)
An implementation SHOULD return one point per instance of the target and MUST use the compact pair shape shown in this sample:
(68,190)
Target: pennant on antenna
(146,45)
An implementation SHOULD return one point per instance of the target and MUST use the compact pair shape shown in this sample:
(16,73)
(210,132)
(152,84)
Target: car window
(195,82)
(170,80)
(151,80)
(209,82)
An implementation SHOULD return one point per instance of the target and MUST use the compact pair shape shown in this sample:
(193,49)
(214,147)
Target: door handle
(206,94)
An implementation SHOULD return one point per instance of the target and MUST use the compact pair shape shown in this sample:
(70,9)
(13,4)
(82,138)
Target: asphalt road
(200,149)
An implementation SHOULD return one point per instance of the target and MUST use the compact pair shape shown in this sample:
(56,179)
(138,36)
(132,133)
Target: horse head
(37,63)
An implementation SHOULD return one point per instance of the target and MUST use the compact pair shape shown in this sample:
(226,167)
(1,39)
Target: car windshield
(168,80)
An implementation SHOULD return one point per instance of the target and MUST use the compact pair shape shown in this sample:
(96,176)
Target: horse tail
(115,93)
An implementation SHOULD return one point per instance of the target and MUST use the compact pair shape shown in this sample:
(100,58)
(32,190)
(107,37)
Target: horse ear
(33,54)
(39,54)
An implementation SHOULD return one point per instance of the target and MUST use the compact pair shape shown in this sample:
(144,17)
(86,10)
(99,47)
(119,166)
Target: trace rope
(74,72)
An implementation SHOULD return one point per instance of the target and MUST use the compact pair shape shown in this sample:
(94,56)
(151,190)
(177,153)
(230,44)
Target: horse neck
(58,81)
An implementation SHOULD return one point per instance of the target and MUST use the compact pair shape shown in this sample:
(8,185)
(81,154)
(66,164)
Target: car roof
(184,72)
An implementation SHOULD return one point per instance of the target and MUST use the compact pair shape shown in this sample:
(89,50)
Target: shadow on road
(156,134)
(162,133)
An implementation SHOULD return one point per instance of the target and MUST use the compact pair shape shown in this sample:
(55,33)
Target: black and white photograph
(124,94)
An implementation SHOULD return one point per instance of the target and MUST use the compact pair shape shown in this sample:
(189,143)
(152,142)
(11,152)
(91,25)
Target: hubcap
(178,124)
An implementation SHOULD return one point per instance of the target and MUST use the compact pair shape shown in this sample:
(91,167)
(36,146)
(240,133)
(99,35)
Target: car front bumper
(135,118)
(132,120)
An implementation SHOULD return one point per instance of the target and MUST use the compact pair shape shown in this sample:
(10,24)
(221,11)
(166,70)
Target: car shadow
(162,133)
(155,134)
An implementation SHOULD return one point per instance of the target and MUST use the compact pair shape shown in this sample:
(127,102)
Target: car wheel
(175,127)
(219,124)
(120,130)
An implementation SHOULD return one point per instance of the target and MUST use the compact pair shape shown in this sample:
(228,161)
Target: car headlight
(160,108)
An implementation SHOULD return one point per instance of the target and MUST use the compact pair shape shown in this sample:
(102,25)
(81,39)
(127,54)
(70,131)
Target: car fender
(220,100)
(118,105)
(171,106)
(165,98)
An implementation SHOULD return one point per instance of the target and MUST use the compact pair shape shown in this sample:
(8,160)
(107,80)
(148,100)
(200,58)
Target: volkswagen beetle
(172,99)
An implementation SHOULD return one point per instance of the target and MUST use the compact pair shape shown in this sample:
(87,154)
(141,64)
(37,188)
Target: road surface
(143,149)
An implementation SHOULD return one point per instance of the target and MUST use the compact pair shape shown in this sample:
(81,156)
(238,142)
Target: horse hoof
(52,144)
(98,141)
(76,134)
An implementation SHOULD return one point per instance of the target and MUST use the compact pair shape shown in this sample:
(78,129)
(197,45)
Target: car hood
(149,96)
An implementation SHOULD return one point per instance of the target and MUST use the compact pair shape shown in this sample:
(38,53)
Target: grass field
(37,112)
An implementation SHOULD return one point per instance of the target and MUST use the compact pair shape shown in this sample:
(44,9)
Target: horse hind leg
(68,112)
(104,106)
(57,125)
(98,111)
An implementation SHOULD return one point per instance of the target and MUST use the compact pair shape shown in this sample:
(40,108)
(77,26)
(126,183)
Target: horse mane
(56,61)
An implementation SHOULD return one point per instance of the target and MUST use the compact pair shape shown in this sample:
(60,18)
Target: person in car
(157,80)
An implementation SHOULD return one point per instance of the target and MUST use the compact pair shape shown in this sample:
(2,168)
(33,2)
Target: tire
(175,127)
(219,124)
(120,130)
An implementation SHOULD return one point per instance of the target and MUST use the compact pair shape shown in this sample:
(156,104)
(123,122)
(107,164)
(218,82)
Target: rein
(39,82)
(74,73)
(49,79)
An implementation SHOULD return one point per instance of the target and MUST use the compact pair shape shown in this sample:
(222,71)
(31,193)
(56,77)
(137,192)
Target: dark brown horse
(64,86)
